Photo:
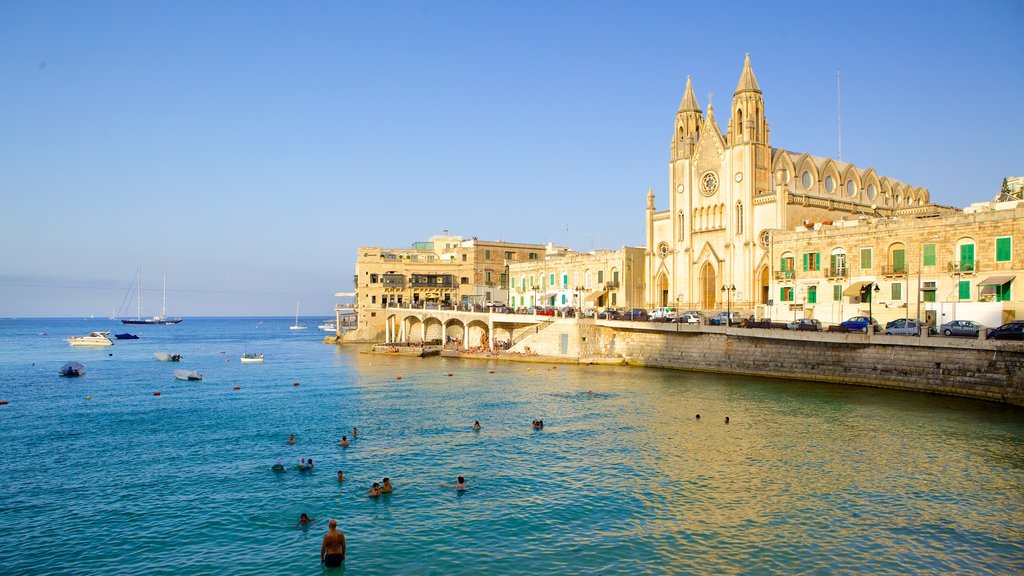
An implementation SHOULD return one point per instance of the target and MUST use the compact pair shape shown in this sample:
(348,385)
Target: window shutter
(805,261)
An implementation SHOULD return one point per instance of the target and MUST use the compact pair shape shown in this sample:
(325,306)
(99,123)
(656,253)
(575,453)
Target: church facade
(730,190)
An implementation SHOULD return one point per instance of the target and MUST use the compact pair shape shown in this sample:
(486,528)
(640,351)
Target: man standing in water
(332,551)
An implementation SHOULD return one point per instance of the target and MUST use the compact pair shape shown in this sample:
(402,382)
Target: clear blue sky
(245,149)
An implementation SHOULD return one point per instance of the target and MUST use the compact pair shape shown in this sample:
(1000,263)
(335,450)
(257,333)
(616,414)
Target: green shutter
(805,261)
(817,260)
(966,255)
(897,291)
(837,292)
(865,258)
(1003,249)
(965,286)
(898,260)
(812,295)
(929,254)
(929,296)
(1003,292)
(782,294)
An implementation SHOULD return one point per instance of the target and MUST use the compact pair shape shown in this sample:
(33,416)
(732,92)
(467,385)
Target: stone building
(580,280)
(960,266)
(730,190)
(445,271)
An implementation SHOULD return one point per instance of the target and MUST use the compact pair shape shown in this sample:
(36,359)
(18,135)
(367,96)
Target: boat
(188,375)
(252,357)
(167,357)
(126,336)
(93,339)
(139,320)
(328,326)
(72,369)
(297,326)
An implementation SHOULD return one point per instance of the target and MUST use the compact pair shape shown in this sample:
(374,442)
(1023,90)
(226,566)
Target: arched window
(830,184)
(739,217)
(739,124)
(806,180)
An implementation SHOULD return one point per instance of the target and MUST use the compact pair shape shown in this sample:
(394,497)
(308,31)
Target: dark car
(608,314)
(1009,331)
(635,314)
(960,328)
(860,324)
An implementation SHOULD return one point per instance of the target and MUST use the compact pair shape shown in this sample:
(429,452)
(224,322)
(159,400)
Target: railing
(839,272)
(393,281)
(785,274)
(894,270)
(612,285)
(963,267)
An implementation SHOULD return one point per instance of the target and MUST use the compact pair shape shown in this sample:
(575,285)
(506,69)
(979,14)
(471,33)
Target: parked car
(635,314)
(690,317)
(860,324)
(608,314)
(1009,331)
(664,314)
(961,328)
(904,327)
(805,324)
(721,318)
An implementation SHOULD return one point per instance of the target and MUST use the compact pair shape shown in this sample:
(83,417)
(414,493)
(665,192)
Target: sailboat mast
(138,312)
(163,309)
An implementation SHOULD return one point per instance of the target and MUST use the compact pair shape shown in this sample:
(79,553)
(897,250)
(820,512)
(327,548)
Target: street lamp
(579,301)
(728,290)
(870,329)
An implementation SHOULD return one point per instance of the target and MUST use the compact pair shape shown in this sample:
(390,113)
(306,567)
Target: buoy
(88,397)
(450,374)
(398,377)
(156,393)
(295,383)
(111,354)
(237,388)
(227,359)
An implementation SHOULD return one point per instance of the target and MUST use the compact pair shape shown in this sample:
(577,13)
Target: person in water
(278,466)
(309,464)
(291,439)
(375,491)
(386,486)
(460,484)
(344,441)
(476,425)
(341,476)
(355,432)
(332,550)
(304,519)
(698,417)
(726,419)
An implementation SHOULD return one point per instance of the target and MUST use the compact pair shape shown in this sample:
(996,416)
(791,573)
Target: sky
(244,150)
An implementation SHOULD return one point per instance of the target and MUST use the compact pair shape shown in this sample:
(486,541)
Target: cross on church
(709,97)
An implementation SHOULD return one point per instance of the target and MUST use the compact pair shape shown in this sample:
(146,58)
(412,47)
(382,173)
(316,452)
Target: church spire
(689,102)
(747,83)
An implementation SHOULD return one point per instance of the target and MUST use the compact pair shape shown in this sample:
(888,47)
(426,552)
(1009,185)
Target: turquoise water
(807,478)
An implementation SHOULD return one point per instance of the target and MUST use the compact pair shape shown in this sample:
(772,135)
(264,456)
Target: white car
(663,313)
(690,318)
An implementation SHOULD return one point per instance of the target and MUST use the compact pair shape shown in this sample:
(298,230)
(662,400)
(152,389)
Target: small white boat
(167,357)
(188,375)
(297,326)
(72,369)
(252,357)
(328,326)
(93,339)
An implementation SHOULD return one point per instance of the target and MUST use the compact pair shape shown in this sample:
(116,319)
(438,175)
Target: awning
(996,280)
(854,289)
(595,294)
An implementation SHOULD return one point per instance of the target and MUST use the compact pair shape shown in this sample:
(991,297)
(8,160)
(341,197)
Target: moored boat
(155,320)
(167,357)
(188,375)
(252,357)
(126,336)
(328,326)
(92,339)
(72,369)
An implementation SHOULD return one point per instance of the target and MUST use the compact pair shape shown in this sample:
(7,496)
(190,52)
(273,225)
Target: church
(729,191)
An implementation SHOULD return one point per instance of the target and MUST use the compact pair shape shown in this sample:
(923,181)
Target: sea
(103,476)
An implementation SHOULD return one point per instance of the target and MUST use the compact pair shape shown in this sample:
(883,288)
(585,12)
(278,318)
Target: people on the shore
(386,487)
(341,476)
(291,439)
(375,491)
(304,519)
(344,442)
(476,425)
(332,550)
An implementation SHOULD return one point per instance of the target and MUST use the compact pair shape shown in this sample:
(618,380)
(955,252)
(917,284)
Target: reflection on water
(623,479)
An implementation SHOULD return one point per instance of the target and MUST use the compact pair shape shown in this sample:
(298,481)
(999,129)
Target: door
(708,287)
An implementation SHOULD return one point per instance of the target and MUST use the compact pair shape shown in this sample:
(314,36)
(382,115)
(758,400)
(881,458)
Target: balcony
(837,272)
(433,281)
(393,280)
(963,268)
(614,284)
(894,271)
(785,275)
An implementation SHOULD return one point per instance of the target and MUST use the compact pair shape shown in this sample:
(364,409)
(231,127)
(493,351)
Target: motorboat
(155,320)
(252,357)
(72,369)
(328,326)
(188,375)
(93,339)
(126,336)
(167,357)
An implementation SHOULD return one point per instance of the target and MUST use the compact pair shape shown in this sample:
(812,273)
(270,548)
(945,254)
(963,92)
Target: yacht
(93,339)
(188,375)
(252,357)
(328,326)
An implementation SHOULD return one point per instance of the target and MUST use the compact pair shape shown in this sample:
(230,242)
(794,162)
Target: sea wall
(988,370)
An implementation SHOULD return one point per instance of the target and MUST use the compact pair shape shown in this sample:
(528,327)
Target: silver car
(961,328)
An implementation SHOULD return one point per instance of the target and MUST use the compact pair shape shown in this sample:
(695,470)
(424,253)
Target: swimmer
(332,550)
(726,419)
(303,519)
(698,417)
(344,441)
(476,425)
(341,476)
(309,464)
(375,491)
(386,487)
(291,439)
(355,432)
(278,466)
(460,484)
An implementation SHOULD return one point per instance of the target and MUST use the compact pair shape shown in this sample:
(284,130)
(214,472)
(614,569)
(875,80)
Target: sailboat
(161,319)
(297,326)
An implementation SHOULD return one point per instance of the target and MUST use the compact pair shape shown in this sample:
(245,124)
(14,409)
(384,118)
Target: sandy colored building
(962,266)
(729,191)
(580,280)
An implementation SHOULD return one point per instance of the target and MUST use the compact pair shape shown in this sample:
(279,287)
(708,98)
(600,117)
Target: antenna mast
(839,114)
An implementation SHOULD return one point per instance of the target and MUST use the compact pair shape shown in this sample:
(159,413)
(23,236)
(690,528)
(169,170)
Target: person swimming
(344,441)
(726,419)
(375,491)
(309,464)
(386,486)
(291,439)
(341,476)
(698,417)
(460,484)
(304,519)
(476,425)
(355,432)
(278,466)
